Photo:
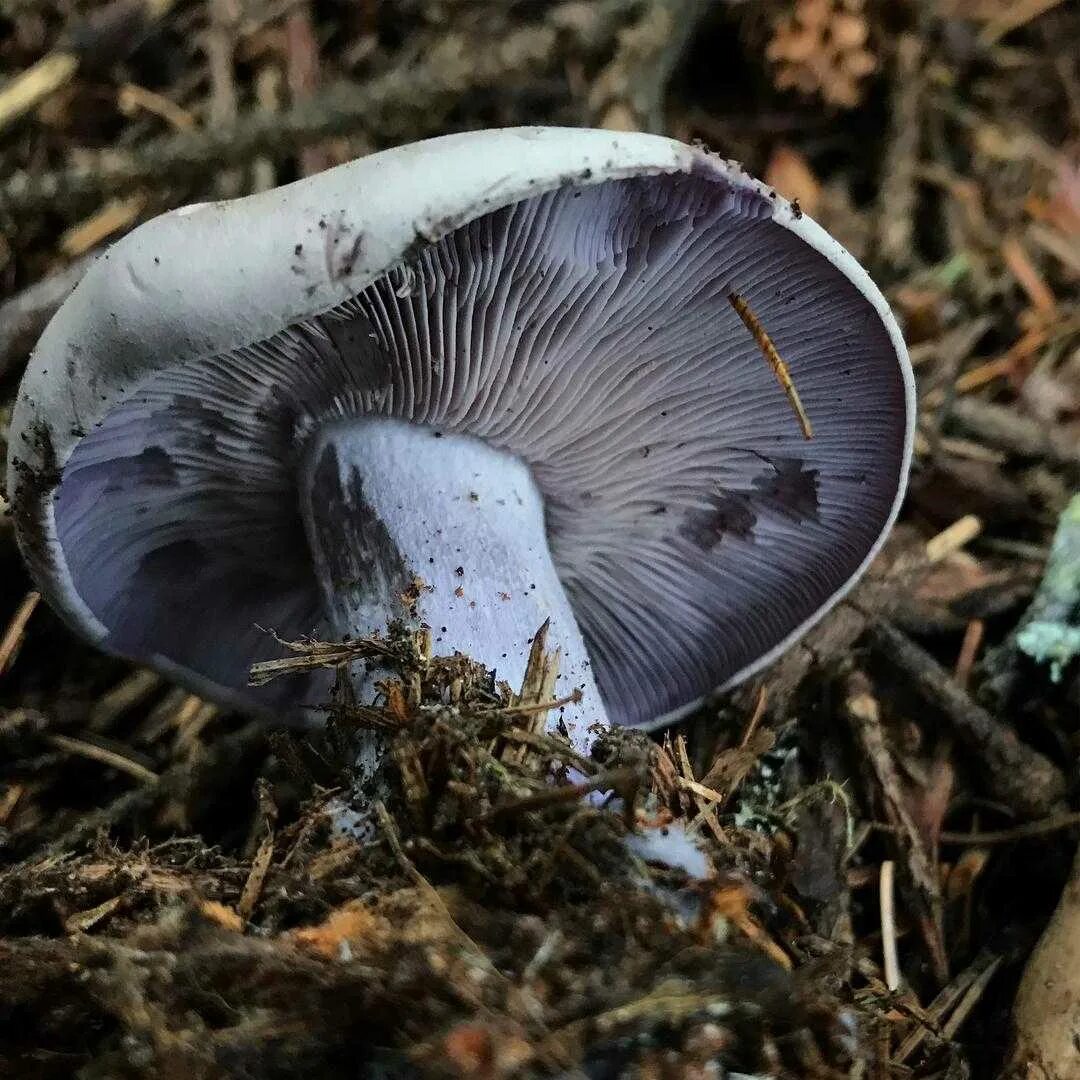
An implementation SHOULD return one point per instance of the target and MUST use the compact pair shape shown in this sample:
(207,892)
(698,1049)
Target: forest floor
(889,812)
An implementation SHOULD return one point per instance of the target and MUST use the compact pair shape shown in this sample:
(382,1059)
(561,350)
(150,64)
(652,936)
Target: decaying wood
(1046,1015)
(16,630)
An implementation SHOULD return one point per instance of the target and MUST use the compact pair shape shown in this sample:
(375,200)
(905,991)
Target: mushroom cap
(563,294)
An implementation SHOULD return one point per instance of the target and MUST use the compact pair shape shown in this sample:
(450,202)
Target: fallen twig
(890,958)
(618,780)
(104,756)
(1007,429)
(1029,830)
(310,654)
(1022,778)
(16,629)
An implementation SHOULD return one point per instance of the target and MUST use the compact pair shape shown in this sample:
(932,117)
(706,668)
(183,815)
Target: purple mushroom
(484,380)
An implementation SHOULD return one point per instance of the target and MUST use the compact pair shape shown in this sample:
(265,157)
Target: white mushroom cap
(560,293)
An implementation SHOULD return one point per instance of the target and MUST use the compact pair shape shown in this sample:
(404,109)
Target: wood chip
(34,85)
(132,98)
(260,867)
(128,693)
(82,921)
(1002,366)
(957,536)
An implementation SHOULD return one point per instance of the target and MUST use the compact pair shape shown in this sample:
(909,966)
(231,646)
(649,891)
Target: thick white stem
(386,502)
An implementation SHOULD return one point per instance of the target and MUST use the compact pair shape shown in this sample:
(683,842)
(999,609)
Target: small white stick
(888,926)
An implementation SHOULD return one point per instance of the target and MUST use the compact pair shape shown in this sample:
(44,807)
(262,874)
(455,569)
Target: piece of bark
(1046,1014)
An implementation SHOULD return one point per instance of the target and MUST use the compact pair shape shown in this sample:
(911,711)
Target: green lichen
(1052,633)
(1050,643)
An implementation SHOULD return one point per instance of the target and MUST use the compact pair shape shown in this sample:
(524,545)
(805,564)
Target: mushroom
(479,381)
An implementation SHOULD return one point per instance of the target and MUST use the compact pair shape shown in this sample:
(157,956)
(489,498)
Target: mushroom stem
(446,531)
